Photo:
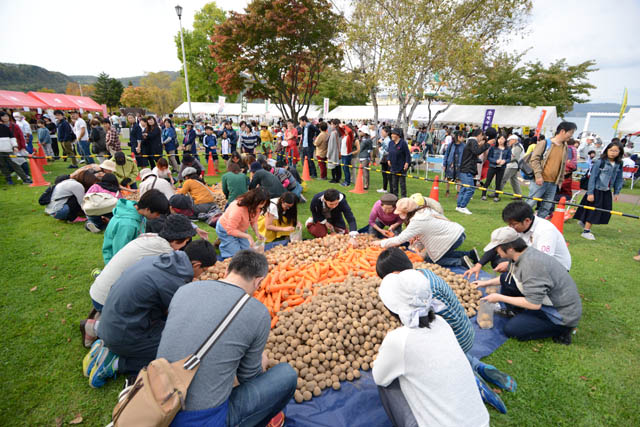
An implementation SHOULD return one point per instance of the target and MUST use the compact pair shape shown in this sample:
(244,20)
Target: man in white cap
(420,364)
(25,127)
(542,298)
(511,173)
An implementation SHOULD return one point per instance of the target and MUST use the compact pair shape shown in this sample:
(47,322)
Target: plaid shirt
(113,140)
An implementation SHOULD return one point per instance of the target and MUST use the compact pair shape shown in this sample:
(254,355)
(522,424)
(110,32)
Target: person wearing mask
(309,134)
(453,158)
(291,143)
(53,133)
(82,136)
(605,176)
(66,138)
(265,179)
(475,146)
(112,138)
(25,127)
(214,398)
(126,170)
(498,157)
(198,190)
(135,139)
(152,141)
(170,143)
(330,213)
(383,215)
(321,143)
(234,223)
(333,151)
(44,138)
(98,139)
(512,169)
(364,156)
(541,296)
(134,314)
(348,146)
(280,218)
(548,163)
(9,146)
(399,159)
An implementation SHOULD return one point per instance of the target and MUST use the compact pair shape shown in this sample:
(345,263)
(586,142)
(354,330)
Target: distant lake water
(603,126)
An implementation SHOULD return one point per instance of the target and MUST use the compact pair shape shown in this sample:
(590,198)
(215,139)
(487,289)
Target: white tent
(630,122)
(235,109)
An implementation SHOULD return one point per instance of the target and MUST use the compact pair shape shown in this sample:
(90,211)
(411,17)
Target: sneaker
(496,199)
(345,184)
(303,199)
(473,254)
(484,198)
(90,226)
(489,396)
(381,190)
(564,338)
(463,210)
(95,273)
(90,358)
(588,235)
(10,182)
(88,331)
(277,421)
(496,377)
(28,181)
(103,367)
(468,262)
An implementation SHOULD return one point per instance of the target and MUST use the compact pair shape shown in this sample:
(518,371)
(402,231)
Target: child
(225,146)
(211,145)
(44,137)
(129,220)
(162,170)
(266,138)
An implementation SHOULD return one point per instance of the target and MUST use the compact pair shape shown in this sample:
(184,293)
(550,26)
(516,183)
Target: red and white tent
(84,102)
(57,101)
(19,101)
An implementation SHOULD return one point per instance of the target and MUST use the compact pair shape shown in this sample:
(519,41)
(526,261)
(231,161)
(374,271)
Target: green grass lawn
(45,276)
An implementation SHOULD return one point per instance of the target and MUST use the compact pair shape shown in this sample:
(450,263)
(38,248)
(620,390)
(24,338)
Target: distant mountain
(25,78)
(581,110)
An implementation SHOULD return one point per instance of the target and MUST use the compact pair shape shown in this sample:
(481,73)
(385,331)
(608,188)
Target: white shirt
(115,120)
(343,146)
(145,245)
(25,127)
(226,146)
(154,182)
(627,163)
(545,237)
(78,125)
(434,374)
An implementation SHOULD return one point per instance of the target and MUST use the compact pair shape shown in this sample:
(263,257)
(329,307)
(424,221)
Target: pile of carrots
(290,284)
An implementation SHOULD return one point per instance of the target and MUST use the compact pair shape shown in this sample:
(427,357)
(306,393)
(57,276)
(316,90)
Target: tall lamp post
(184,60)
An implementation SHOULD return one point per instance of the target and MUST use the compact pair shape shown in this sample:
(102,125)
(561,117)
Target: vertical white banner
(325,110)
(221,101)
(266,106)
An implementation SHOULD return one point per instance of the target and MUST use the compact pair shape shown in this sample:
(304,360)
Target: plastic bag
(296,236)
(258,246)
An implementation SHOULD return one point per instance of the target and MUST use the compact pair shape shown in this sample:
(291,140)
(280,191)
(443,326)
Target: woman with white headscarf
(423,362)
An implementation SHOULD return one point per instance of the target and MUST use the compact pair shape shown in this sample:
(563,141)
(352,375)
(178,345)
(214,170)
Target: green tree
(107,90)
(163,97)
(505,80)
(276,50)
(341,87)
(46,90)
(136,97)
(203,80)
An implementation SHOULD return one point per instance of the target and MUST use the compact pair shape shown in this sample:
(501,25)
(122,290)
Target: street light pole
(184,61)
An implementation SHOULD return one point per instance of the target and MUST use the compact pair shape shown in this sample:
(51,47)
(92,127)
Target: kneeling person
(134,313)
(327,211)
(195,311)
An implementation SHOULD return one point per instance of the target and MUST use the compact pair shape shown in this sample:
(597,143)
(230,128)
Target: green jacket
(234,185)
(125,226)
(128,170)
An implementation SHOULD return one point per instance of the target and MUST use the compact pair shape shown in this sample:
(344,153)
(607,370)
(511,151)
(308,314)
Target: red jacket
(18,135)
(346,130)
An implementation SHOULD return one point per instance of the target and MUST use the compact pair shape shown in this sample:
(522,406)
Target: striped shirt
(454,314)
(249,140)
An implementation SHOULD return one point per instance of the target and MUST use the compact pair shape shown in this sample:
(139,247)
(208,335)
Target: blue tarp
(357,403)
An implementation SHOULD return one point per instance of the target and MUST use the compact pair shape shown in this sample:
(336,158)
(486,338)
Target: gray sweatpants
(396,406)
(511,175)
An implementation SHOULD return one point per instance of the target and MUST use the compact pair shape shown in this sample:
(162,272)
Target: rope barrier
(371,169)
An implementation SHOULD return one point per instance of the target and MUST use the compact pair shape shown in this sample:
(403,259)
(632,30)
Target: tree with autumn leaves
(277,50)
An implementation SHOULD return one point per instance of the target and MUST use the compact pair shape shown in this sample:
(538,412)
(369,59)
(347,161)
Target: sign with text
(243,108)
(221,101)
(325,109)
(488,118)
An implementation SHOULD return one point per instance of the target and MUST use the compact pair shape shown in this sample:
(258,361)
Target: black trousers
(398,181)
(386,178)
(498,173)
(55,147)
(336,174)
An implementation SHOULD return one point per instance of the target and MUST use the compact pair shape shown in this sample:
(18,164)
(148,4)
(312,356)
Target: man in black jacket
(66,138)
(135,139)
(307,136)
(327,211)
(478,143)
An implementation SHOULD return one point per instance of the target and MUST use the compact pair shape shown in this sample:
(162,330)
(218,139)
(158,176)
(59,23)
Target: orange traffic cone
(434,189)
(305,170)
(211,168)
(558,215)
(36,175)
(359,183)
(133,156)
(43,160)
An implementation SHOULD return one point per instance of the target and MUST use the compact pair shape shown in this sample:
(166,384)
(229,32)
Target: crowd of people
(148,302)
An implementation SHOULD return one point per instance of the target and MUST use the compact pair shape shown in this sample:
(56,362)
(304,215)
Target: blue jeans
(452,258)
(230,245)
(85,151)
(29,138)
(97,305)
(298,190)
(98,222)
(346,168)
(545,191)
(255,402)
(466,193)
(63,213)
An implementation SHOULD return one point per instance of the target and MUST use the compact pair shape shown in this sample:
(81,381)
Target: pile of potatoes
(333,337)
(218,197)
(466,293)
(217,271)
(315,250)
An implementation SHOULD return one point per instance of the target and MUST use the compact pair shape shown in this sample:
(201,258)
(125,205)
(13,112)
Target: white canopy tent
(630,122)
(235,109)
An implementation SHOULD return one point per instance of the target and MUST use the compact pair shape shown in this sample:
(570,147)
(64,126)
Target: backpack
(525,163)
(584,181)
(45,198)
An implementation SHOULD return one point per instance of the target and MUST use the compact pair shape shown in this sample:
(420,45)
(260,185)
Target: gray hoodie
(137,305)
(333,149)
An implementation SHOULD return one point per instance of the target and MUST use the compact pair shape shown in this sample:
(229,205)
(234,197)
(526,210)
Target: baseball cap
(500,236)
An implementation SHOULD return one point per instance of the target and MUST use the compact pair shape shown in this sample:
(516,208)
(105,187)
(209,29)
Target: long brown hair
(252,199)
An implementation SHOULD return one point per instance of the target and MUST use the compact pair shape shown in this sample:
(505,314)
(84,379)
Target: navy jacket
(496,154)
(135,136)
(312,132)
(318,210)
(64,131)
(399,154)
(190,139)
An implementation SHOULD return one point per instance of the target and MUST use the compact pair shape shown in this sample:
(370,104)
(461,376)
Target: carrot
(274,321)
(282,287)
(276,306)
(297,301)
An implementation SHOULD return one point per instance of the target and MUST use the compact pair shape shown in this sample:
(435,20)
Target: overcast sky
(130,37)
